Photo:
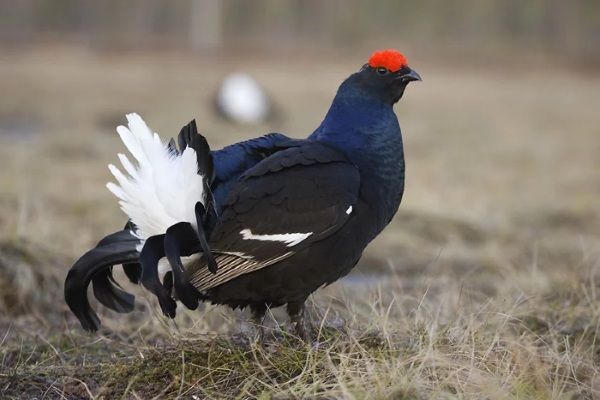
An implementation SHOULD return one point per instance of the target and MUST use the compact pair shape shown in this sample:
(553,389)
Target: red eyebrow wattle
(390,59)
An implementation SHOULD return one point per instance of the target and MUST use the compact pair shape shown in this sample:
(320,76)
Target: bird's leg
(296,312)
(258,318)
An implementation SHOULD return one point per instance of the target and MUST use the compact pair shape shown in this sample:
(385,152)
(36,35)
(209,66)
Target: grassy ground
(485,285)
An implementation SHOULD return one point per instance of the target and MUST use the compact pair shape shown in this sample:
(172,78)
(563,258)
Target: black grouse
(264,222)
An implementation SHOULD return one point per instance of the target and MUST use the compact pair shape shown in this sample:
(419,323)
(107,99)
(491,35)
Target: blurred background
(488,275)
(502,136)
(554,29)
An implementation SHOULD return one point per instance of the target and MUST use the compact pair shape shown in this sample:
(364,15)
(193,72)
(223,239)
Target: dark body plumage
(289,215)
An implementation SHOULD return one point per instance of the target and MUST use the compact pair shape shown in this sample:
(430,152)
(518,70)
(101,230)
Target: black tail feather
(186,134)
(168,281)
(206,212)
(189,137)
(96,266)
(172,146)
(181,239)
(152,252)
(108,292)
(132,270)
(200,212)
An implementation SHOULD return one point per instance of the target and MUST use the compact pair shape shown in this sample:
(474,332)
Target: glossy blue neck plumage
(357,119)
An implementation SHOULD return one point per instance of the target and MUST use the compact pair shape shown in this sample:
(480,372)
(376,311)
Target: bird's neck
(357,118)
(361,127)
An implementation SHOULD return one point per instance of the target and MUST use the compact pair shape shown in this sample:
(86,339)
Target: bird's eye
(382,71)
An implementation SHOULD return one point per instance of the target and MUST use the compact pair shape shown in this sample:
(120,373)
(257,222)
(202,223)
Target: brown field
(485,285)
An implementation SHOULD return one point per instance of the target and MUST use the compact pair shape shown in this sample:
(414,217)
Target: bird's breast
(382,184)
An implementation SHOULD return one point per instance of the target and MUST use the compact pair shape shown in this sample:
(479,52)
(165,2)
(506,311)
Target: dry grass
(484,286)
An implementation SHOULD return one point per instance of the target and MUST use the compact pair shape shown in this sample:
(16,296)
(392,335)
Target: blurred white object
(241,99)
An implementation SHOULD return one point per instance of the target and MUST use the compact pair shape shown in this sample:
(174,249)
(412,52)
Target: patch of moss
(222,368)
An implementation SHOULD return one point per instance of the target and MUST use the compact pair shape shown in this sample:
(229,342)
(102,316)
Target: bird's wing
(234,160)
(298,196)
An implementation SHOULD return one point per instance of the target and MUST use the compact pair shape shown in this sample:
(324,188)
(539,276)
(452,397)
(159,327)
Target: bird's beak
(410,76)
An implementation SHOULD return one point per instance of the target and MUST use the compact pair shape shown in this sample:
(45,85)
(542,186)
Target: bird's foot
(303,330)
(260,335)
(302,326)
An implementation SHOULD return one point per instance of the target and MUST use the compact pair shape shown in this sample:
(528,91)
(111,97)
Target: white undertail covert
(162,189)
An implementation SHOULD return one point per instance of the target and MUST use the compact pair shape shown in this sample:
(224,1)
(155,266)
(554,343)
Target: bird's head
(385,76)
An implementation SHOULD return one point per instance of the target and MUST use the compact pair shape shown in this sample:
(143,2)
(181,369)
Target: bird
(258,224)
(241,99)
